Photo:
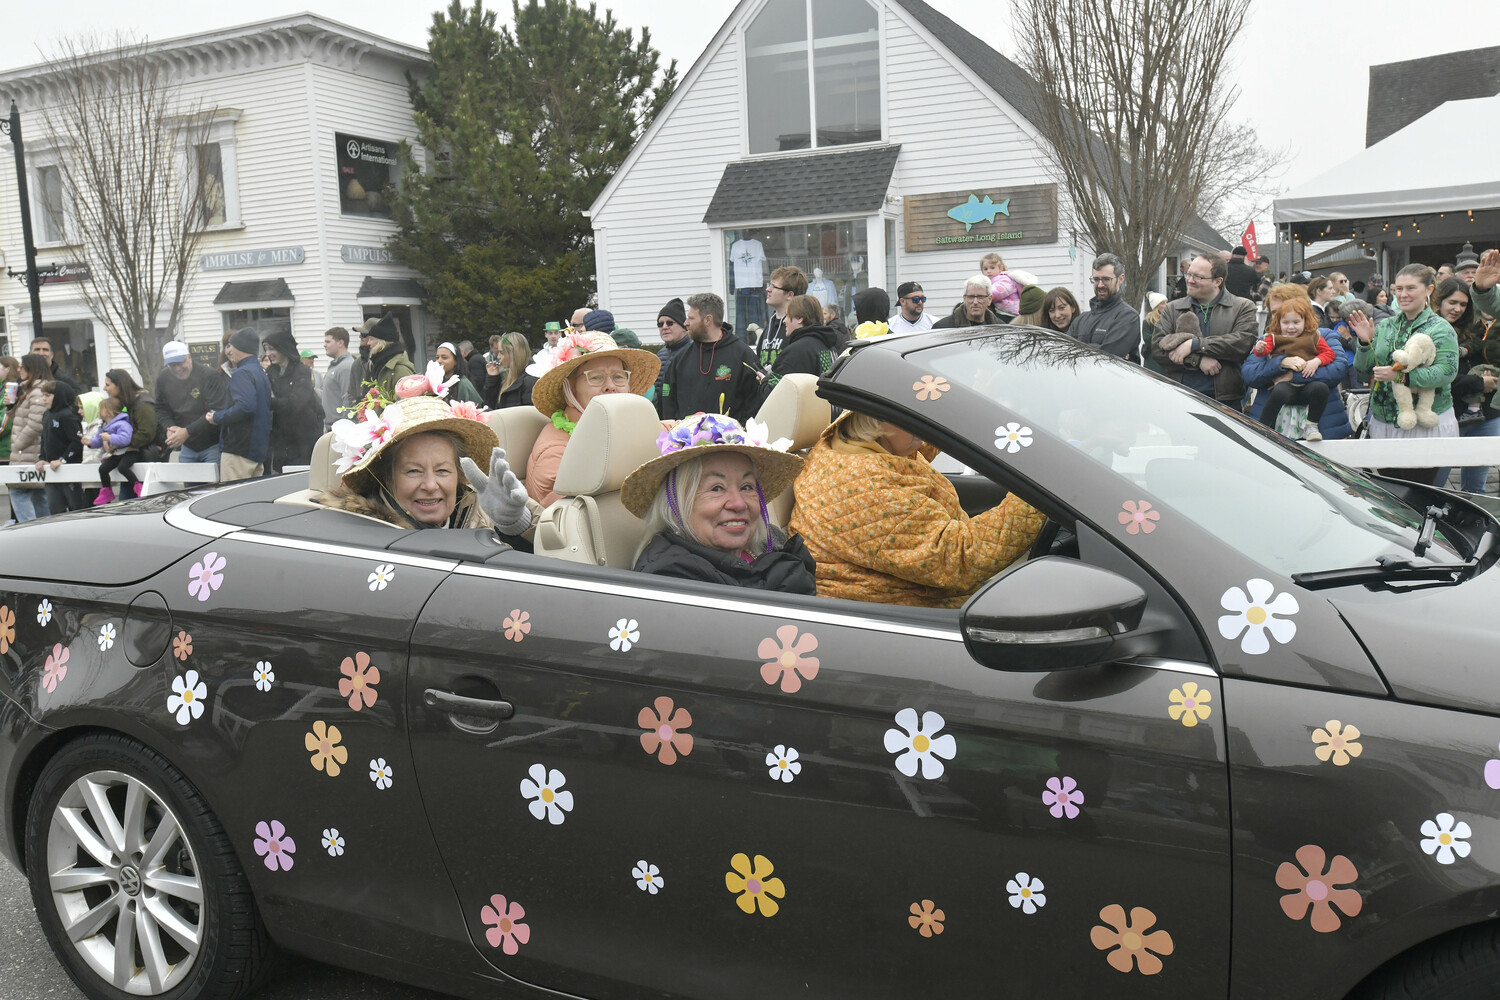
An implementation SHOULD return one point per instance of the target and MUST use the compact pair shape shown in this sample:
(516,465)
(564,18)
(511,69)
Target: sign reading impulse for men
(983,217)
(251,258)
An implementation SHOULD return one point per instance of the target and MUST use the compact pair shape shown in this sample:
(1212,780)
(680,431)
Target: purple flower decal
(206,576)
(1064,796)
(273,844)
(1492,773)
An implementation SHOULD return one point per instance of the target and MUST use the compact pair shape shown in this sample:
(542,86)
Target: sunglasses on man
(916,299)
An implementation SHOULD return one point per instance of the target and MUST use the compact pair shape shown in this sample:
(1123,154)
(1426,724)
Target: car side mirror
(1054,613)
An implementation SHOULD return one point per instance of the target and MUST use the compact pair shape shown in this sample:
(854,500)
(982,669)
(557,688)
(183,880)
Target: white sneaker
(1311,432)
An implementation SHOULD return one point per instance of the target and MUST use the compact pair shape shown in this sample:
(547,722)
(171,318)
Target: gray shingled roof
(390,288)
(236,292)
(1402,92)
(852,182)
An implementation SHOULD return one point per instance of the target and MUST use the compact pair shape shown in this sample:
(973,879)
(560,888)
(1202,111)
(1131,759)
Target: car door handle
(457,704)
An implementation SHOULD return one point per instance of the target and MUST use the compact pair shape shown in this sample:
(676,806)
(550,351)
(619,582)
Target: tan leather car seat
(616,435)
(793,410)
(517,428)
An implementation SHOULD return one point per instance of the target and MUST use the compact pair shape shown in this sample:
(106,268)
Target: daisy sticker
(263,675)
(381,773)
(624,634)
(1446,839)
(106,637)
(187,697)
(1026,893)
(1255,613)
(206,577)
(382,577)
(783,763)
(546,801)
(1012,437)
(919,744)
(44,612)
(647,877)
(333,843)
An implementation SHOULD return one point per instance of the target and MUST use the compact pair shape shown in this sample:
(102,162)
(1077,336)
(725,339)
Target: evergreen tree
(523,126)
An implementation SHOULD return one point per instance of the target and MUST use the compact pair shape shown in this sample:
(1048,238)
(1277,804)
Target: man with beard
(911,315)
(185,391)
(1111,324)
(671,326)
(715,373)
(385,359)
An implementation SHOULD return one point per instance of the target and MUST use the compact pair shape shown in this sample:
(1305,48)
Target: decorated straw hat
(362,443)
(576,348)
(703,434)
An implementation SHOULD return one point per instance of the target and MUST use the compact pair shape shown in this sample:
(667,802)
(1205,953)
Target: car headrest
(517,428)
(795,410)
(321,473)
(616,435)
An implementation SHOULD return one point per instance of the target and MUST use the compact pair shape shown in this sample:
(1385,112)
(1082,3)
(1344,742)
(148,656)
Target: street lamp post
(12,127)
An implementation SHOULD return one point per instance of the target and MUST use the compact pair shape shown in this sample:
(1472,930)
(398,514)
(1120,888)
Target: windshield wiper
(1386,568)
(1429,526)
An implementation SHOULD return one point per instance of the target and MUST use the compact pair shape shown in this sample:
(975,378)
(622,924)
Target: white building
(309,118)
(846,137)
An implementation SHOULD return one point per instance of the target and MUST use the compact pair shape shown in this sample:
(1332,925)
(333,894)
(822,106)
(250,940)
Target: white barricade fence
(155,477)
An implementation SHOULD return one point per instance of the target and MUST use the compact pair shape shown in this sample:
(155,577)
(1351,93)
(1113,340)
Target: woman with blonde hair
(506,381)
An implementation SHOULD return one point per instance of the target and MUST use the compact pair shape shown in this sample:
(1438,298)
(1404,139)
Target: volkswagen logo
(130,881)
(351,149)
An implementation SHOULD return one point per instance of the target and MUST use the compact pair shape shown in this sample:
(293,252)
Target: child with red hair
(1293,337)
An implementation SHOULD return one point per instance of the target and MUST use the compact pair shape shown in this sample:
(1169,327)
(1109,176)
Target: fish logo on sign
(975,211)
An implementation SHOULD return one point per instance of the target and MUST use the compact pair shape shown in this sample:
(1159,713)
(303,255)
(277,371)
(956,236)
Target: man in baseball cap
(185,391)
(911,305)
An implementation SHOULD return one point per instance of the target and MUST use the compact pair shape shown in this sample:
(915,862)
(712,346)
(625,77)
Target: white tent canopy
(1411,172)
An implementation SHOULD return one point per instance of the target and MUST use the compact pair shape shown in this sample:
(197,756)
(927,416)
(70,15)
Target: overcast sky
(1302,69)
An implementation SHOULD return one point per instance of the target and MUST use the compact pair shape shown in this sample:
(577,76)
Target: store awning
(1410,173)
(271,294)
(390,292)
(852,182)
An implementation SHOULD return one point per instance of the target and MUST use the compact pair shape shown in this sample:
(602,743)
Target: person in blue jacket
(1260,373)
(245,424)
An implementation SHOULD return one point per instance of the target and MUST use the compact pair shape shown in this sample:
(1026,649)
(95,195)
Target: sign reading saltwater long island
(948,220)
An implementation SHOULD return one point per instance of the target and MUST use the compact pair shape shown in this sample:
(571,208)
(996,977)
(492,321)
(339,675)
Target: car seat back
(517,428)
(793,410)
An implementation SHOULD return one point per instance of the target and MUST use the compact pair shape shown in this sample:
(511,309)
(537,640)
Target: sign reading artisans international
(981,217)
(251,258)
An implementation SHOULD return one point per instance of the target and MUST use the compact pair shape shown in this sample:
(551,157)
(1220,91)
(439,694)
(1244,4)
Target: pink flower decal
(359,680)
(786,658)
(506,931)
(56,667)
(929,387)
(1315,888)
(206,576)
(1491,767)
(1138,517)
(664,734)
(273,844)
(517,625)
(1064,796)
(182,646)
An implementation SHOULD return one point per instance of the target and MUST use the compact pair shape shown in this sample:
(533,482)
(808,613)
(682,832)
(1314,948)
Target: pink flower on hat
(466,410)
(574,345)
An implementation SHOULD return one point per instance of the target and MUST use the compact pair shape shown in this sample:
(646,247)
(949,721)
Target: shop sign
(367,167)
(981,217)
(366,255)
(208,354)
(58,273)
(230,259)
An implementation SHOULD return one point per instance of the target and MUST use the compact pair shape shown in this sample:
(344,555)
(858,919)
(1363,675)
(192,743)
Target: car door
(657,788)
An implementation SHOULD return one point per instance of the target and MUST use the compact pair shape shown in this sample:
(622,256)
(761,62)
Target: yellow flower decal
(754,884)
(1337,741)
(327,754)
(1190,704)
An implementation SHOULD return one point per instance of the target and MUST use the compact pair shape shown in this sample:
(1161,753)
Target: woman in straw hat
(704,504)
(583,366)
(407,466)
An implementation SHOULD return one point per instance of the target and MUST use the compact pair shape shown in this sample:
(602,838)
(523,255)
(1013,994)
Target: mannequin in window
(826,291)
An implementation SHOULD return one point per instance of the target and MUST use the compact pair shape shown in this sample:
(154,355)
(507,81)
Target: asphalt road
(29,971)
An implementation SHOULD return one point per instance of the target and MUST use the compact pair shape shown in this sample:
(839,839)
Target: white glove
(501,495)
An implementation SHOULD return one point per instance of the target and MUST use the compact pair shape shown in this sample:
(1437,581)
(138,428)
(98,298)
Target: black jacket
(519,394)
(721,377)
(1114,327)
(772,340)
(62,427)
(181,402)
(787,569)
(296,415)
(474,365)
(1241,279)
(811,350)
(61,375)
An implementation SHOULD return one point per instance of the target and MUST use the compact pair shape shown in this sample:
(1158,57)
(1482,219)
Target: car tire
(123,853)
(1464,965)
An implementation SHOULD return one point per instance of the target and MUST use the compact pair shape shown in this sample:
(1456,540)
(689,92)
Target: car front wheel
(134,880)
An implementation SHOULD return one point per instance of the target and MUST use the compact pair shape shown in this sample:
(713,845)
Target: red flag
(1248,241)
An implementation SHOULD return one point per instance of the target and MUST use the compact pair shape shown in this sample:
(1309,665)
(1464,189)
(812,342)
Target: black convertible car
(1230,730)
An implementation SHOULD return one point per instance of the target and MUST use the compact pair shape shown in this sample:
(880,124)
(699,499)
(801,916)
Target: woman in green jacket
(463,390)
(1373,362)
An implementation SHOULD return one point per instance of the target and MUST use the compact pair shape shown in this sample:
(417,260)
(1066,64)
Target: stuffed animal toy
(1187,329)
(1418,353)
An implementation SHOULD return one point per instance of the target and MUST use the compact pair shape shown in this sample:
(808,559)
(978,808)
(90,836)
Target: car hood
(106,546)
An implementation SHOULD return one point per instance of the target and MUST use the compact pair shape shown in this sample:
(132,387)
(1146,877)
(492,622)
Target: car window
(1279,504)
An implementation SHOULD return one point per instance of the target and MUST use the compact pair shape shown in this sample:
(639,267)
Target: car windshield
(1279,503)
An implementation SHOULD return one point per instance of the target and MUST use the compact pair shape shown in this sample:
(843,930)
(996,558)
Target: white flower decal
(187,697)
(920,743)
(106,637)
(207,576)
(1445,838)
(264,675)
(783,763)
(647,877)
(1026,893)
(542,788)
(381,773)
(44,612)
(1255,615)
(626,633)
(333,842)
(381,578)
(1012,437)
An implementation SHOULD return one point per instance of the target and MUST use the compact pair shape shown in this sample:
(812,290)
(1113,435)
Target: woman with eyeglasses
(584,366)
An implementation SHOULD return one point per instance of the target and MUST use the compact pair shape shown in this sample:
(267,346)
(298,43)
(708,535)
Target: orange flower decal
(928,387)
(7,628)
(786,658)
(327,754)
(1138,517)
(664,734)
(1131,944)
(926,918)
(359,680)
(182,646)
(1337,742)
(517,625)
(1315,888)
